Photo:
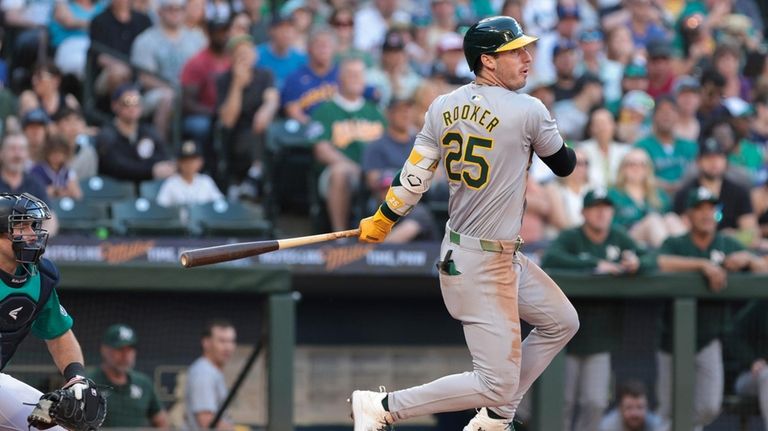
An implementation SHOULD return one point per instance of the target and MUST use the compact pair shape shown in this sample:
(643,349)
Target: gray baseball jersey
(486,136)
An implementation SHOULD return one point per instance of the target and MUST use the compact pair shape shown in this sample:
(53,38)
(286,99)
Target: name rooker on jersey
(471,113)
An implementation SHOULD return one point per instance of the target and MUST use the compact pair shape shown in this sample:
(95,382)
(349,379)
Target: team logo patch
(15,312)
(413,180)
(136,392)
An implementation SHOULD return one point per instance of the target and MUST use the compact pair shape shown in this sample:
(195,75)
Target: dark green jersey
(600,320)
(710,315)
(133,404)
(349,130)
(30,303)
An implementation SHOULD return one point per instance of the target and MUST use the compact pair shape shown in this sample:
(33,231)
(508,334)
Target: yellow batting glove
(376,227)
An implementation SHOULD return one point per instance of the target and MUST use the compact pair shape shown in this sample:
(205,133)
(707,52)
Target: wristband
(73,370)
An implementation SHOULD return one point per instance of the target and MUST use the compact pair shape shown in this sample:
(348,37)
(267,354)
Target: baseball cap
(700,195)
(686,83)
(567,11)
(635,70)
(235,41)
(189,148)
(118,93)
(711,146)
(393,41)
(279,19)
(166,3)
(591,35)
(563,45)
(450,42)
(35,116)
(119,335)
(738,107)
(659,48)
(597,197)
(585,79)
(639,101)
(218,22)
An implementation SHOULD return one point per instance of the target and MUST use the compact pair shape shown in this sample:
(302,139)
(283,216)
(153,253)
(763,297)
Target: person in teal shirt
(642,208)
(670,154)
(29,303)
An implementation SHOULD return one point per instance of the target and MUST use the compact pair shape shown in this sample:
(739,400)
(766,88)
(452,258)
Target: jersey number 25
(460,159)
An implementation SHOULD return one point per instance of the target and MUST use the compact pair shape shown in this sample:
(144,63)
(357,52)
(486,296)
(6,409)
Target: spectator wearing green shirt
(744,153)
(133,401)
(713,254)
(595,247)
(670,154)
(347,124)
(643,208)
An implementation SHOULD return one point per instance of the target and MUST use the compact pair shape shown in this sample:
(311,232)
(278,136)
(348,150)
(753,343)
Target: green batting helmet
(494,34)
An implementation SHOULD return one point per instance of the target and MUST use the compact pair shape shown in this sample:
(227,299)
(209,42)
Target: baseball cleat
(367,412)
(481,422)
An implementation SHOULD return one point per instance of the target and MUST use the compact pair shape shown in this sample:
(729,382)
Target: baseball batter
(485,133)
(28,303)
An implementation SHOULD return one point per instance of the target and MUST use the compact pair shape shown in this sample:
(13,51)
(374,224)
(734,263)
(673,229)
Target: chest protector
(18,312)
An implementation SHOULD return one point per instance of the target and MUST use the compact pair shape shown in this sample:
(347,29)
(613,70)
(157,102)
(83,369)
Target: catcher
(28,302)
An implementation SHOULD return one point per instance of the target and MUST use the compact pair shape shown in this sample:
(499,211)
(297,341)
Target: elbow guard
(562,162)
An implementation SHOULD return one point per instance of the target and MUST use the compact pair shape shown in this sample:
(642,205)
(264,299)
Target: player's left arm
(408,185)
(66,354)
(547,141)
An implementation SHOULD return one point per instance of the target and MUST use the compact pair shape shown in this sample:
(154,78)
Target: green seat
(144,217)
(79,216)
(222,218)
(105,189)
(150,189)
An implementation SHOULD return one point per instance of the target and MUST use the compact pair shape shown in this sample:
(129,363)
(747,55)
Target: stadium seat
(287,187)
(79,216)
(106,189)
(149,189)
(222,218)
(144,217)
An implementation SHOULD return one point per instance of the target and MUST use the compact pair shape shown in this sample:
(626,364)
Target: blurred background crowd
(198,96)
(309,107)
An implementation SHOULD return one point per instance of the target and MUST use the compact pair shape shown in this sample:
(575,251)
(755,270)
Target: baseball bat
(227,252)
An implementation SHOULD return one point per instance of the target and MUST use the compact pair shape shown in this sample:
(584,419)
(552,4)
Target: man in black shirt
(127,149)
(116,28)
(734,212)
(246,103)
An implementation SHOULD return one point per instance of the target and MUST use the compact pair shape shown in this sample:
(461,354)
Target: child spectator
(188,186)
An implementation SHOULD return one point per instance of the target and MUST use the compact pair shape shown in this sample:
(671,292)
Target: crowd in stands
(664,101)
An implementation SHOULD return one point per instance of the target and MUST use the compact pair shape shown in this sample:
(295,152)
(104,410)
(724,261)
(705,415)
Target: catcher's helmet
(17,210)
(494,34)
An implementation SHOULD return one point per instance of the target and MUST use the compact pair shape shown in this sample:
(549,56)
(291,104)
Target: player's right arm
(547,141)
(408,185)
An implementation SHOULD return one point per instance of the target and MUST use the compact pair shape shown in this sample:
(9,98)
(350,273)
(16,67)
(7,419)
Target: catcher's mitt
(78,406)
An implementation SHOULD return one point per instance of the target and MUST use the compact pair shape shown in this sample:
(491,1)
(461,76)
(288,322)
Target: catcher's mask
(21,218)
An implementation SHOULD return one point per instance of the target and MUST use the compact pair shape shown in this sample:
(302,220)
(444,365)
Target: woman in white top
(567,195)
(602,151)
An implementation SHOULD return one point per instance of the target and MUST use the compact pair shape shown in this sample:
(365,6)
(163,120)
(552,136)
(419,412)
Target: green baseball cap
(597,197)
(118,336)
(635,70)
(700,195)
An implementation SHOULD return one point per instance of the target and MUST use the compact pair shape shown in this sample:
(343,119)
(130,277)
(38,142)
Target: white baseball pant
(17,399)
